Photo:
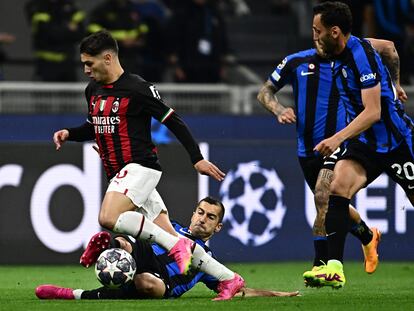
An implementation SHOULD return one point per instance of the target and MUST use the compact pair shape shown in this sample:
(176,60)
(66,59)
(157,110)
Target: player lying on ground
(120,108)
(157,274)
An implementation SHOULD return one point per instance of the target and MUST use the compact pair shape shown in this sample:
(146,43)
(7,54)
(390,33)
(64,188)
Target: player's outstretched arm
(253,292)
(205,167)
(391,59)
(267,97)
(60,137)
(176,125)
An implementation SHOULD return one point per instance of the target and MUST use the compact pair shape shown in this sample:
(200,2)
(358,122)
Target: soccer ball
(115,267)
(252,196)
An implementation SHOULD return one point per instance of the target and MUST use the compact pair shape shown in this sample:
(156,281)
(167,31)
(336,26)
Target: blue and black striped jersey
(360,67)
(182,283)
(319,113)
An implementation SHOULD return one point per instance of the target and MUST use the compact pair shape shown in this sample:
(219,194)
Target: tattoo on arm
(267,97)
(392,61)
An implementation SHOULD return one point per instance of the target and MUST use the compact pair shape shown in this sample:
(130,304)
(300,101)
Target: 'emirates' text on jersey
(121,117)
(318,110)
(360,67)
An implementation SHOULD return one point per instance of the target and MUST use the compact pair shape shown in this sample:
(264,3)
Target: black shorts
(398,164)
(148,262)
(311,166)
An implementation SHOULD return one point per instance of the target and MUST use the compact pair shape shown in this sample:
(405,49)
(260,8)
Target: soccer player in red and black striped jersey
(120,108)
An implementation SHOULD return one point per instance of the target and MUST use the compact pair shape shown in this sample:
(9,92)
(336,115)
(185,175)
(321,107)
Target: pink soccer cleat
(182,253)
(54,292)
(97,244)
(228,288)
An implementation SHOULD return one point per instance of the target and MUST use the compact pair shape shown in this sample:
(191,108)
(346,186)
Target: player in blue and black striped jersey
(379,134)
(318,114)
(157,275)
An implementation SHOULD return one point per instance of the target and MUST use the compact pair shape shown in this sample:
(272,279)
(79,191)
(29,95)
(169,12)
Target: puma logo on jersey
(306,73)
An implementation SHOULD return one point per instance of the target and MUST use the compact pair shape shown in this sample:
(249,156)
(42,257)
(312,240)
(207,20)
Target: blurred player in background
(378,134)
(120,107)
(57,27)
(319,114)
(157,275)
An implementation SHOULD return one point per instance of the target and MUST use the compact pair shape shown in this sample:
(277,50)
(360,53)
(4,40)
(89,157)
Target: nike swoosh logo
(306,73)
(329,234)
(183,231)
(410,187)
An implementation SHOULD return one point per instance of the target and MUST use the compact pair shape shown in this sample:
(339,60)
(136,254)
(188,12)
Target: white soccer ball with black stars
(253,198)
(115,267)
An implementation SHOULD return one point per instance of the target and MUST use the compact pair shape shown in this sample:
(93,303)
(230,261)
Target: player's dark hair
(213,201)
(335,14)
(98,42)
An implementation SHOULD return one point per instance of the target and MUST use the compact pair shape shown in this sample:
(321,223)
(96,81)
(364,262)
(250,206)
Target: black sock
(362,232)
(320,245)
(114,243)
(337,226)
(126,292)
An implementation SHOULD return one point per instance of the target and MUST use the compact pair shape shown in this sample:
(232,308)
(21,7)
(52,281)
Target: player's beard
(328,46)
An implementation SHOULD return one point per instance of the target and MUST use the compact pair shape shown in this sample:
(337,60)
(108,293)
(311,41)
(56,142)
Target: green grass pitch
(390,288)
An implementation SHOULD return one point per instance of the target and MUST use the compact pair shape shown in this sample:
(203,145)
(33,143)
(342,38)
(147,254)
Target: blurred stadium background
(49,201)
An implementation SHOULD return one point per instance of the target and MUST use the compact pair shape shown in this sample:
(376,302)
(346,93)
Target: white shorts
(138,183)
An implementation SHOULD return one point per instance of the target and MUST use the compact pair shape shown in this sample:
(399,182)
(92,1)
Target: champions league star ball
(115,267)
(254,205)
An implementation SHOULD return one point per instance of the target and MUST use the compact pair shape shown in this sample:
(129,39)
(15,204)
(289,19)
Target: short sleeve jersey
(360,67)
(121,115)
(318,109)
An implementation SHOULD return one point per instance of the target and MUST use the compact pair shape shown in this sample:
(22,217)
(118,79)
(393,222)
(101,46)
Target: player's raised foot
(182,253)
(54,292)
(331,275)
(97,244)
(228,288)
(371,252)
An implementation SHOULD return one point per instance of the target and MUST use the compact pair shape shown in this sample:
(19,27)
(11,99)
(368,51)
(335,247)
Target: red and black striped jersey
(119,119)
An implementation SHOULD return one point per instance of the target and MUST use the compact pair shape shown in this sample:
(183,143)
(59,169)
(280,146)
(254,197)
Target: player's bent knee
(149,286)
(338,187)
(106,221)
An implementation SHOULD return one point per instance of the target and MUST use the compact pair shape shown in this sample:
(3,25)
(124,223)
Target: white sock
(135,224)
(77,293)
(203,261)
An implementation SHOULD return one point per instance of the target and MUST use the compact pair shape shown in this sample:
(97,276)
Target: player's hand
(401,93)
(205,167)
(328,146)
(60,137)
(286,116)
(253,292)
(283,294)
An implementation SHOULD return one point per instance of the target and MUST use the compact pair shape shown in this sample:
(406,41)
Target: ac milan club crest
(115,106)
